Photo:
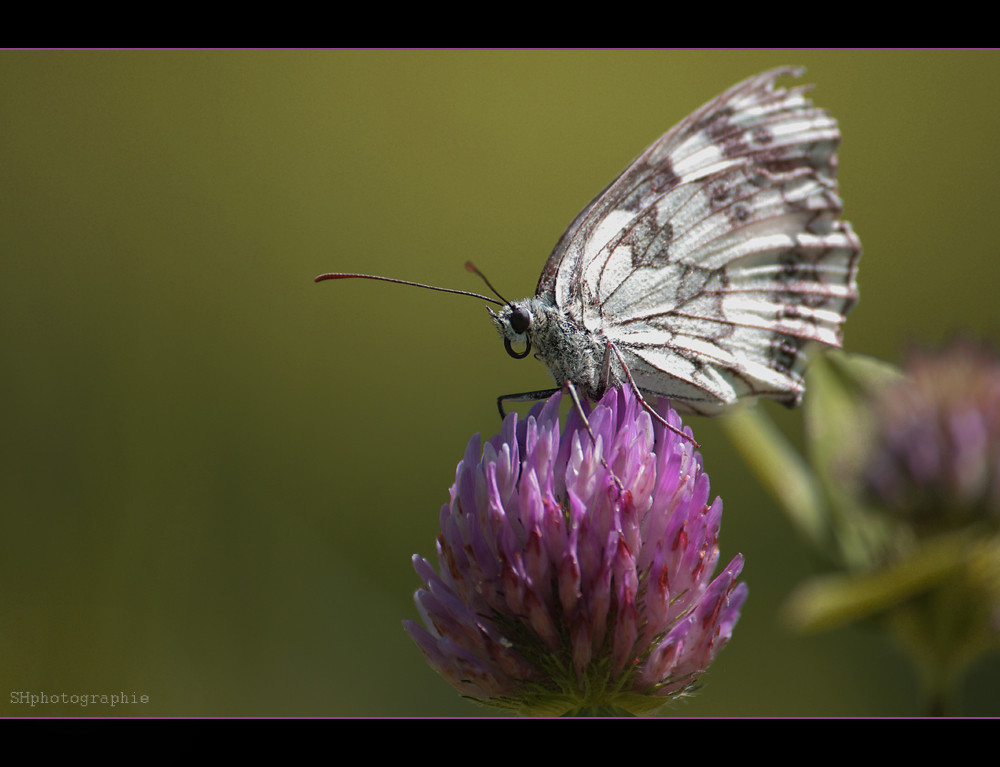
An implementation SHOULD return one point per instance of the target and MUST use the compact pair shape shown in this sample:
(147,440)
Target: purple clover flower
(576,572)
(936,458)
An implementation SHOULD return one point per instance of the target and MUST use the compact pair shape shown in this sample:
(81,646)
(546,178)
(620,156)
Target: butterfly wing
(717,255)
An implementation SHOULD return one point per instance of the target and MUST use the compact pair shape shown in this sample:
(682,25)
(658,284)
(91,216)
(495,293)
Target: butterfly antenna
(472,268)
(344,276)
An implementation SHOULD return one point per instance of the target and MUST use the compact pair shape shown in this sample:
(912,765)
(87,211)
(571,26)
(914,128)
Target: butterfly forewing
(717,254)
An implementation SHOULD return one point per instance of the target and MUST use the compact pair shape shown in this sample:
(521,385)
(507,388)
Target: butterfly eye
(520,320)
(514,354)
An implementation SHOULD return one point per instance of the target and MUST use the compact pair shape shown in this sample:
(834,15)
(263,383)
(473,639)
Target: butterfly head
(514,323)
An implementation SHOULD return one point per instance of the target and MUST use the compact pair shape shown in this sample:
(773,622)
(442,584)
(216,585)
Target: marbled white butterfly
(704,269)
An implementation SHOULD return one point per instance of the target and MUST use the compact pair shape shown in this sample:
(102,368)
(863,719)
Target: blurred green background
(214,471)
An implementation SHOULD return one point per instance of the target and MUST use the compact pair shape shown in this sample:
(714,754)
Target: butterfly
(702,272)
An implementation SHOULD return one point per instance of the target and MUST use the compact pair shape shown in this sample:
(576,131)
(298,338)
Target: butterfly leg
(605,382)
(526,396)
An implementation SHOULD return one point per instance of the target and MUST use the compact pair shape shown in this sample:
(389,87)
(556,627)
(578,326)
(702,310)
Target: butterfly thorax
(569,350)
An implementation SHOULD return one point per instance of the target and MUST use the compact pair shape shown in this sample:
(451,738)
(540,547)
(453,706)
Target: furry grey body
(571,352)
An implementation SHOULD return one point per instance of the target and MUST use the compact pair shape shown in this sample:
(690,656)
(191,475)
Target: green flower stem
(828,602)
(782,471)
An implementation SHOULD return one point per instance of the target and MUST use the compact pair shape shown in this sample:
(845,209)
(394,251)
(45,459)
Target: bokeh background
(215,472)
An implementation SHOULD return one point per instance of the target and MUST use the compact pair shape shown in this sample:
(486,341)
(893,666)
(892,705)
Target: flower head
(937,448)
(575,568)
